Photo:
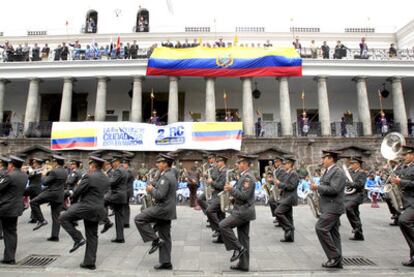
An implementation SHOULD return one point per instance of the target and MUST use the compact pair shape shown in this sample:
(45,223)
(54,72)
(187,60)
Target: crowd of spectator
(116,50)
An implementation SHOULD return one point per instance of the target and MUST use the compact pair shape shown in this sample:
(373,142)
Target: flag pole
(303,101)
(225,103)
(152,101)
(380,99)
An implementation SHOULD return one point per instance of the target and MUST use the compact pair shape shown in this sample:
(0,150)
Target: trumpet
(225,199)
(313,197)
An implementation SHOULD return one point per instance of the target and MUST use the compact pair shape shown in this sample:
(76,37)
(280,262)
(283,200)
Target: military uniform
(406,219)
(54,195)
(352,201)
(116,197)
(161,214)
(130,193)
(331,191)
(34,188)
(280,173)
(288,199)
(202,200)
(3,171)
(88,199)
(243,212)
(214,213)
(12,186)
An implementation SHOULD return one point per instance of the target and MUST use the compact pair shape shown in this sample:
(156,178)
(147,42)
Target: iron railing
(313,130)
(348,130)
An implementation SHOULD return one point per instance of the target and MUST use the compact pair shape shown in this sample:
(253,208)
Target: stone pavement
(195,255)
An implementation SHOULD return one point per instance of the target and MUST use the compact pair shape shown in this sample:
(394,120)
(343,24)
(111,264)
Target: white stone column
(398,103)
(2,96)
(284,101)
(100,106)
(66,106)
(210,100)
(32,104)
(364,112)
(136,106)
(248,113)
(323,106)
(173,101)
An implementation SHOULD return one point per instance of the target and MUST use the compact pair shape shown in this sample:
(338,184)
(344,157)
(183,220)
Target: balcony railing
(313,129)
(348,130)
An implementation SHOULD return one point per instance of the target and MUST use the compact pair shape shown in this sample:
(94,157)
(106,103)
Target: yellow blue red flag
(225,62)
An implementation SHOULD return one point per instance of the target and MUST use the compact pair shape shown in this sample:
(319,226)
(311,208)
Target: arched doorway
(142,21)
(91,22)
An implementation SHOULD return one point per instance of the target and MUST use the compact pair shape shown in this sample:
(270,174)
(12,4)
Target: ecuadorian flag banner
(225,62)
(132,136)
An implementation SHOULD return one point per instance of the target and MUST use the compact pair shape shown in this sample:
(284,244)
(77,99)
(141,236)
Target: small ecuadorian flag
(225,62)
(73,138)
(217,131)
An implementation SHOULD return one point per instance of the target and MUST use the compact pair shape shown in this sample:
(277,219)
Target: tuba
(391,148)
(147,199)
(313,197)
(224,196)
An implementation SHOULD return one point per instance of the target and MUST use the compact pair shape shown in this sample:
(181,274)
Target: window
(142,21)
(91,23)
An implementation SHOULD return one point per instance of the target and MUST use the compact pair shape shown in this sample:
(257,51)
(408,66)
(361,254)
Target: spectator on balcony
(178,44)
(195,43)
(383,123)
(26,52)
(168,43)
(127,54)
(142,25)
(268,44)
(133,50)
(89,53)
(8,50)
(18,53)
(258,126)
(325,50)
(64,52)
(35,53)
(343,127)
(228,117)
(392,52)
(154,119)
(91,25)
(45,52)
(186,44)
(57,51)
(313,49)
(76,50)
(305,124)
(297,45)
(220,43)
(363,49)
(410,125)
(340,50)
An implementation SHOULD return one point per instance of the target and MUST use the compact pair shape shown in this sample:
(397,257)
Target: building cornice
(129,68)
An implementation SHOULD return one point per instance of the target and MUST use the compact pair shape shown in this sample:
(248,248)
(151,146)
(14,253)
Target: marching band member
(243,212)
(405,181)
(3,171)
(12,186)
(117,198)
(161,214)
(331,191)
(35,183)
(392,165)
(53,194)
(130,189)
(211,160)
(88,199)
(214,213)
(279,172)
(289,198)
(73,178)
(356,198)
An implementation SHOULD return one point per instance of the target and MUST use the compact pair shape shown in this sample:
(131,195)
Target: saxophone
(313,197)
(225,199)
(348,190)
(208,191)
(147,199)
(275,190)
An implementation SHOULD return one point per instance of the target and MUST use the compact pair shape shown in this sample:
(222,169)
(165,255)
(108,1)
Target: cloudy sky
(225,15)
